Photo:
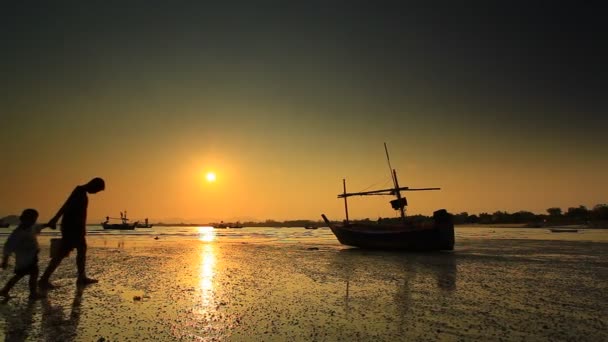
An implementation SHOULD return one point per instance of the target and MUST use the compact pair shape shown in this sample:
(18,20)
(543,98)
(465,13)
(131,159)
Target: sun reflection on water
(207,265)
(206,234)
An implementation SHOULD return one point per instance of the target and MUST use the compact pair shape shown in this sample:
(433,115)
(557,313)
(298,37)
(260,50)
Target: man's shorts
(68,243)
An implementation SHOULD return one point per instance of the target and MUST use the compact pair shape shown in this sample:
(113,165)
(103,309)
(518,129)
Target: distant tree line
(554,216)
(289,223)
(598,216)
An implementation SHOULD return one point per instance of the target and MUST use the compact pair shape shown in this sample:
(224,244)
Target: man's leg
(81,258)
(81,261)
(64,250)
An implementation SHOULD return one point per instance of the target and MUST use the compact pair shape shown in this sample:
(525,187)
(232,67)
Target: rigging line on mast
(388,159)
(384,184)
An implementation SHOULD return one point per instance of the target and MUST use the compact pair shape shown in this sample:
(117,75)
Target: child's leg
(9,285)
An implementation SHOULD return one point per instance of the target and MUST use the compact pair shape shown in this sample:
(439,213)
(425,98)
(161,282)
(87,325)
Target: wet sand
(194,290)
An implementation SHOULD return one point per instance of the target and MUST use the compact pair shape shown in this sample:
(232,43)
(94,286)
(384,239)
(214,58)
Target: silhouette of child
(23,241)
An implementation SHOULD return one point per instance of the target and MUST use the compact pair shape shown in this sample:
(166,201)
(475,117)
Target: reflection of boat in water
(123,225)
(436,234)
(442,267)
(563,230)
(143,225)
(400,274)
(404,291)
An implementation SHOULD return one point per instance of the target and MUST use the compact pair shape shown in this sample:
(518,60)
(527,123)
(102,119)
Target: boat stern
(445,228)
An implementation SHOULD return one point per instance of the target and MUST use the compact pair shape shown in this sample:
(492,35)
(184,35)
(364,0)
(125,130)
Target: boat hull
(119,226)
(409,237)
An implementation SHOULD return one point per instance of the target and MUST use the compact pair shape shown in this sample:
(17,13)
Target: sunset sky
(504,108)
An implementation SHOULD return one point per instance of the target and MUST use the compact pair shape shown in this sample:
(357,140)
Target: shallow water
(294,284)
(321,236)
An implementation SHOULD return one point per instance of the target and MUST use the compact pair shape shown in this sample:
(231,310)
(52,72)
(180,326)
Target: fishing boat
(119,226)
(563,230)
(123,225)
(408,235)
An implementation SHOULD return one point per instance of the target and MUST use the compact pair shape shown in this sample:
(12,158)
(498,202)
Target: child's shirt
(24,243)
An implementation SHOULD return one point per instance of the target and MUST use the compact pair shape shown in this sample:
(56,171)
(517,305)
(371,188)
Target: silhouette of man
(73,231)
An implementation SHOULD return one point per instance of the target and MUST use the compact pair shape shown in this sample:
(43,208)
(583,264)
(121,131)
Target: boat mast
(390,168)
(397,191)
(398,194)
(345,202)
(396,204)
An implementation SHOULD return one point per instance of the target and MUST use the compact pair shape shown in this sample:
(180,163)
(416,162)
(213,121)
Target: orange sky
(258,182)
(283,103)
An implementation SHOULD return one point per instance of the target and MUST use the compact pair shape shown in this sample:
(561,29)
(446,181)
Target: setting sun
(210,177)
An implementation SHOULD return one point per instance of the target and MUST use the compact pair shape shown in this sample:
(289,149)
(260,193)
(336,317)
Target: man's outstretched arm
(53,222)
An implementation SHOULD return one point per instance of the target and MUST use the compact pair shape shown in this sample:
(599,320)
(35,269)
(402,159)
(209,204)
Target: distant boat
(4,224)
(223,225)
(144,225)
(311,227)
(123,225)
(406,235)
(563,230)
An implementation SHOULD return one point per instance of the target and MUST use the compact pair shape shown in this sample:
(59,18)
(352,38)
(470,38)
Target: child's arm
(9,247)
(39,227)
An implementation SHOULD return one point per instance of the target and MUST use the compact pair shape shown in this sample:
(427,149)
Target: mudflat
(193,290)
